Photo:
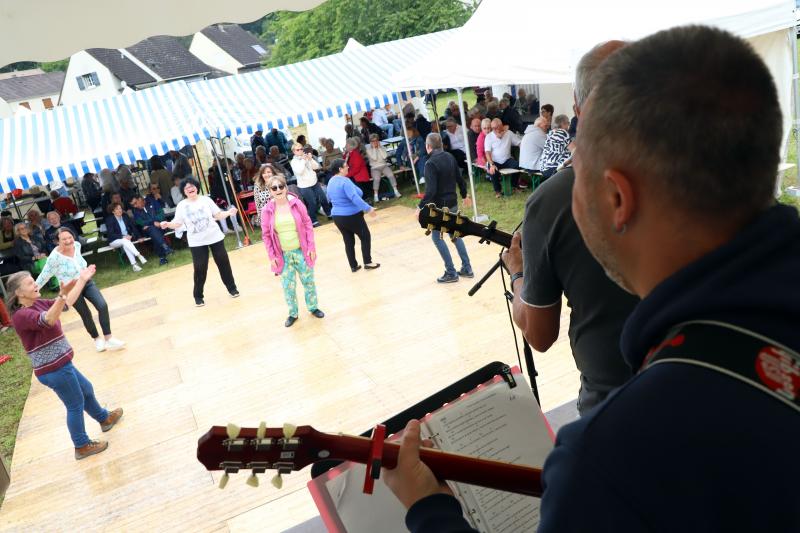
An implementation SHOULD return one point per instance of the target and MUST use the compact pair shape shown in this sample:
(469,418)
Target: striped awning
(72,140)
(345,83)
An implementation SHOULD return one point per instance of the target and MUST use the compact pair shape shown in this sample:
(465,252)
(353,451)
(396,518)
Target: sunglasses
(278,187)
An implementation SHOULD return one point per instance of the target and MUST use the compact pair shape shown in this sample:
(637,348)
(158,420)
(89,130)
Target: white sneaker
(397,194)
(114,344)
(100,344)
(377,198)
(422,180)
(136,268)
(142,259)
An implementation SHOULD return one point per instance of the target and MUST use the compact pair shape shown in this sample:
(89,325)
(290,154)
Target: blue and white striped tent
(348,82)
(72,140)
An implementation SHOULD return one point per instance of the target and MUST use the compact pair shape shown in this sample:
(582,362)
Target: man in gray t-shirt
(555,261)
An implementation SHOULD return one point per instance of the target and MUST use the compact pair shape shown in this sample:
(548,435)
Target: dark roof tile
(33,86)
(121,66)
(237,42)
(165,56)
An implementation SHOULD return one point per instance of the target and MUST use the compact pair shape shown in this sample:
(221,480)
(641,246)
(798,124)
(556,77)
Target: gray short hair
(651,109)
(561,119)
(434,140)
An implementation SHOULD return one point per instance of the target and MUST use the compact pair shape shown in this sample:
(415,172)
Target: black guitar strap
(736,352)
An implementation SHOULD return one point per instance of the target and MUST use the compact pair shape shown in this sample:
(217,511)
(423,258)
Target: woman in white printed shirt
(200,214)
(65,262)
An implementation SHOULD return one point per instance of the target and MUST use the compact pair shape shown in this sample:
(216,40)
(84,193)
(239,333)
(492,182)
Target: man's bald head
(587,67)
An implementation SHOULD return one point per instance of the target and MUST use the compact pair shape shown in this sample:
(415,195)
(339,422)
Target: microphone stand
(526,348)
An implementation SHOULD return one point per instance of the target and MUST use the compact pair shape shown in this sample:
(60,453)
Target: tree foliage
(325,29)
(60,65)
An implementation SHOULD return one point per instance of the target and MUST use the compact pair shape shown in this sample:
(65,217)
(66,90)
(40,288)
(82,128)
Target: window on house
(88,81)
(26,105)
(260,49)
(48,103)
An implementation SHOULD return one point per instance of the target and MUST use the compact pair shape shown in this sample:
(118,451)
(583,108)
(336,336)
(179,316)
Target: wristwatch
(515,277)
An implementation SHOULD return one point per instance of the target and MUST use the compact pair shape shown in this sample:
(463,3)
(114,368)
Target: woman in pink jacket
(289,237)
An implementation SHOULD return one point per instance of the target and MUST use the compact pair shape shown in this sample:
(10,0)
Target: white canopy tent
(72,140)
(547,53)
(49,30)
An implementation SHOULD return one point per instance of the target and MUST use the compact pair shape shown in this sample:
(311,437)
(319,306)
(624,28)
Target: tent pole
(796,98)
(200,173)
(408,151)
(225,190)
(245,220)
(468,154)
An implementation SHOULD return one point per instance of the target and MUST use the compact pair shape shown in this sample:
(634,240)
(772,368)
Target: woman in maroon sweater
(37,324)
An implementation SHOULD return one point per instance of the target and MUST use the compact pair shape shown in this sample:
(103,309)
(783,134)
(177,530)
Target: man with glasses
(305,168)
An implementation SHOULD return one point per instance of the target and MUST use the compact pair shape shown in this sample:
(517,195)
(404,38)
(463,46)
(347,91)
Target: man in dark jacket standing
(441,176)
(700,438)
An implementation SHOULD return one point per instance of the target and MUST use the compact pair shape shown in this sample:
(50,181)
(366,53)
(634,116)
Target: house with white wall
(102,72)
(31,90)
(228,48)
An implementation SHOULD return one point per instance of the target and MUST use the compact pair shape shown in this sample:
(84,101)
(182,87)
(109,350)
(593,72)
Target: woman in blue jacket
(121,232)
(348,215)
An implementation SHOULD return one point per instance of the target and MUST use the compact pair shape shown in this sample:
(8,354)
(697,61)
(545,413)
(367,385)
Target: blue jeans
(314,197)
(388,129)
(444,251)
(77,394)
(157,236)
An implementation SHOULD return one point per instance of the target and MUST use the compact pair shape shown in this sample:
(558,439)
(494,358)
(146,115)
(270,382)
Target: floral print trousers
(294,262)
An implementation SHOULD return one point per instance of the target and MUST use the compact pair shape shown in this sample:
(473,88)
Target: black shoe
(447,278)
(163,261)
(198,302)
(356,268)
(466,273)
(372,266)
(289,321)
(234,293)
(318,313)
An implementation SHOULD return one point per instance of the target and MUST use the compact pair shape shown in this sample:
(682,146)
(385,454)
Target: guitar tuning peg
(262,430)
(277,481)
(233,431)
(252,480)
(288,431)
(223,481)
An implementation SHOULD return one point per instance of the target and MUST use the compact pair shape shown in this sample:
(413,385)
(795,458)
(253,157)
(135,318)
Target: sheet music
(502,424)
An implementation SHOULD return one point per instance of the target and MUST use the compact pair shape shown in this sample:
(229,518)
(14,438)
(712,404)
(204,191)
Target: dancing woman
(37,324)
(199,214)
(288,235)
(65,262)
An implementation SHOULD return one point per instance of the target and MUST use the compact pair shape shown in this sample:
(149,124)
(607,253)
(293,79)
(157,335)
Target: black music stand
(430,404)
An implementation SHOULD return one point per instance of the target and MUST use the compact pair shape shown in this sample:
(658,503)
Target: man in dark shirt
(555,261)
(698,236)
(258,140)
(441,176)
(180,166)
(277,138)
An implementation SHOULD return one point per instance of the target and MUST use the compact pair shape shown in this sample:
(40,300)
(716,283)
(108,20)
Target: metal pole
(796,98)
(408,150)
(245,220)
(468,154)
(225,190)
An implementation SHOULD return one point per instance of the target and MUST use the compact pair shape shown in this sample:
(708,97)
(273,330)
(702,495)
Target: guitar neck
(450,466)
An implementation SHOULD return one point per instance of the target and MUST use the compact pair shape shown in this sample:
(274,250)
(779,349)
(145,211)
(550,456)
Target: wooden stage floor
(390,338)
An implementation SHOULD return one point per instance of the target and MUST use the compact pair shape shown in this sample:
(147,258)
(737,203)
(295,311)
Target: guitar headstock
(457,225)
(442,219)
(285,449)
